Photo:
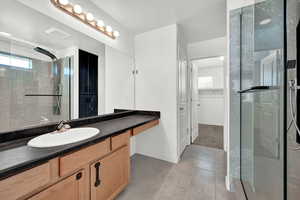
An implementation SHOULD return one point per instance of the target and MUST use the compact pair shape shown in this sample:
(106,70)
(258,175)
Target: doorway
(207,105)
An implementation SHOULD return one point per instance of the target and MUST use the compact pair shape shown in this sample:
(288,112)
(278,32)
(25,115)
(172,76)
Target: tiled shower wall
(293,164)
(19,111)
(234,155)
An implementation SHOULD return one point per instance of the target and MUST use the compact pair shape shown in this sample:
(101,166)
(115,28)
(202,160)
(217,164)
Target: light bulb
(77,9)
(89,16)
(100,23)
(221,58)
(108,29)
(64,2)
(116,34)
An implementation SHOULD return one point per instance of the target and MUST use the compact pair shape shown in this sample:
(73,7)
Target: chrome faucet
(62,125)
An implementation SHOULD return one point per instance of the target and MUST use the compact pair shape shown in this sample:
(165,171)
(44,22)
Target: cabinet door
(71,188)
(110,175)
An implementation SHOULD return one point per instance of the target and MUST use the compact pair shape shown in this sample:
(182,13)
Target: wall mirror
(51,71)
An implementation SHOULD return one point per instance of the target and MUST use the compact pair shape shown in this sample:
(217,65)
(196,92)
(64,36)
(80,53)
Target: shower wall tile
(234,156)
(19,111)
(293,158)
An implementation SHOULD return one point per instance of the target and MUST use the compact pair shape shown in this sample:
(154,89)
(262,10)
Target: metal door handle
(97,168)
(257,88)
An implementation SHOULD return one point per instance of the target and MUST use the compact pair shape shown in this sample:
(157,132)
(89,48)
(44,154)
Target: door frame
(179,102)
(226,103)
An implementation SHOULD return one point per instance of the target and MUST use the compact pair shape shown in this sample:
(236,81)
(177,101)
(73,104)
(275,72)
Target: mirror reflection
(51,72)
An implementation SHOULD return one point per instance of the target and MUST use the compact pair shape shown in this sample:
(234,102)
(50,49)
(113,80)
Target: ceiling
(200,20)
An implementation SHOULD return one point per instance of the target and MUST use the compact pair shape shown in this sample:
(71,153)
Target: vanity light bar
(87,18)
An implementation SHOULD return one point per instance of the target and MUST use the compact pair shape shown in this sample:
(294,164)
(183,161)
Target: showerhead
(45,52)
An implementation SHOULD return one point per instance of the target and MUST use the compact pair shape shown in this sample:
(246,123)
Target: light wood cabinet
(71,188)
(71,162)
(98,172)
(110,175)
(120,140)
(144,127)
(17,186)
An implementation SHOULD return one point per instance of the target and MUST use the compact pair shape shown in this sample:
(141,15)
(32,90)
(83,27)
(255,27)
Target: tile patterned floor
(210,136)
(200,175)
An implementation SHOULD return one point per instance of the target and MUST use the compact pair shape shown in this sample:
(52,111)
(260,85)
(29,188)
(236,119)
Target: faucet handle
(60,125)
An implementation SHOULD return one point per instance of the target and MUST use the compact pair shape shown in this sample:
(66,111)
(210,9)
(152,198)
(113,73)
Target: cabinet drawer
(74,161)
(144,127)
(21,184)
(71,188)
(120,140)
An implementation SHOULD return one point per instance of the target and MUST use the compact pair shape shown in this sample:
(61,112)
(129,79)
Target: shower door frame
(284,133)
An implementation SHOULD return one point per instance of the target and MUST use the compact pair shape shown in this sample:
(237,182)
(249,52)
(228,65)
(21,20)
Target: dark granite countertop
(20,157)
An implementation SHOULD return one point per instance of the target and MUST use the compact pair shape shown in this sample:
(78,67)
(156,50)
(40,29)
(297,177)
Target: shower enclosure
(257,53)
(35,88)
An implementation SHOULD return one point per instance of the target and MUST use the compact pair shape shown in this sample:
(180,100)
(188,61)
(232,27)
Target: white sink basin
(62,138)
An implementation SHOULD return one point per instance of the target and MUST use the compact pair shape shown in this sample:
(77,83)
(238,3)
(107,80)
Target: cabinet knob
(78,176)
(97,168)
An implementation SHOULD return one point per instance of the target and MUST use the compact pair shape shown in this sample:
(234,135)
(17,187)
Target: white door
(183,105)
(195,105)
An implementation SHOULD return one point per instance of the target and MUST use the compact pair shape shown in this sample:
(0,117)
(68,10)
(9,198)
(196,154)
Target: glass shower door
(262,97)
(34,89)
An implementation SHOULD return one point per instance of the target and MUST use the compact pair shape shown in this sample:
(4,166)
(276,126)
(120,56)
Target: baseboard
(160,157)
(209,124)
(228,183)
(193,140)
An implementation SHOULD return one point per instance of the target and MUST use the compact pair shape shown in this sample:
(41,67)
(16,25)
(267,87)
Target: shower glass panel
(34,88)
(262,130)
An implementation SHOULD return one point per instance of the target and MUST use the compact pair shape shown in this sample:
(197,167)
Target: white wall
(208,48)
(234,4)
(216,73)
(211,98)
(119,80)
(119,83)
(156,89)
(207,115)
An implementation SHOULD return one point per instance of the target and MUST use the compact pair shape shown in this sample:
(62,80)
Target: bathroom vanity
(96,168)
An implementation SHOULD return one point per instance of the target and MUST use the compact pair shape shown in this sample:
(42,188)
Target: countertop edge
(35,162)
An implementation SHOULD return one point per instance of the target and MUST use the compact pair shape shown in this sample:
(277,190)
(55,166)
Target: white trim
(228,183)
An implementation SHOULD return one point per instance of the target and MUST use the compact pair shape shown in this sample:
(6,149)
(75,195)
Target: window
(15,61)
(205,82)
